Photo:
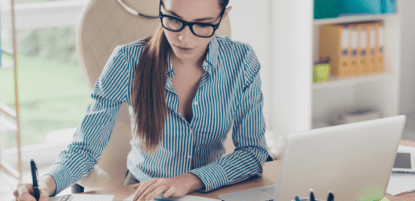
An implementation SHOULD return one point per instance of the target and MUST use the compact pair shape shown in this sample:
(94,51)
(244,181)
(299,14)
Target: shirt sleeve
(248,136)
(93,133)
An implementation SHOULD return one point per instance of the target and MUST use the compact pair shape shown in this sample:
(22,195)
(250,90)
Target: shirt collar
(211,59)
(169,66)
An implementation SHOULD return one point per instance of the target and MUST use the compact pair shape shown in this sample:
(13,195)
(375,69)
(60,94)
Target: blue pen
(312,195)
(331,196)
(297,198)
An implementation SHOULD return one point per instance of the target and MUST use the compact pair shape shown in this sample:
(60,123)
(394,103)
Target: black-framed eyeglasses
(203,30)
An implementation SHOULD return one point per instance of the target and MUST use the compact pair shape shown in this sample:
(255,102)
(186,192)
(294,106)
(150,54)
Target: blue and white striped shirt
(228,96)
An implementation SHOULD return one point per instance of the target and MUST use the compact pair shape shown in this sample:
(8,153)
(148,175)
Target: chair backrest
(103,25)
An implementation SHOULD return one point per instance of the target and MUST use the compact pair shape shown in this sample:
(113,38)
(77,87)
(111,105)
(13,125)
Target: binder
(389,6)
(371,28)
(363,49)
(360,6)
(379,47)
(326,9)
(335,43)
(355,64)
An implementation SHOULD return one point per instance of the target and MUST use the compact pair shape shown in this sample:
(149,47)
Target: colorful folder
(360,6)
(372,47)
(326,9)
(335,43)
(355,59)
(354,49)
(366,6)
(379,47)
(388,6)
(363,49)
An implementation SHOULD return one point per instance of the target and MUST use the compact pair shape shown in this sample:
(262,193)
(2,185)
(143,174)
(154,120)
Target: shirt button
(196,103)
(191,132)
(189,156)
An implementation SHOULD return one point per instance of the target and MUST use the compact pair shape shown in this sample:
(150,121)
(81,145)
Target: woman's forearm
(194,181)
(49,182)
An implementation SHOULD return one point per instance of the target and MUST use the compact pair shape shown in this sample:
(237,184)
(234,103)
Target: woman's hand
(171,187)
(25,191)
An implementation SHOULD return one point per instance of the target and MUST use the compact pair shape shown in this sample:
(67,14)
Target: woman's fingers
(23,193)
(142,187)
(159,190)
(149,190)
(169,192)
(136,186)
(44,194)
(15,193)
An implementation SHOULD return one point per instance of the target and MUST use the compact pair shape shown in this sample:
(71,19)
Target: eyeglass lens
(198,29)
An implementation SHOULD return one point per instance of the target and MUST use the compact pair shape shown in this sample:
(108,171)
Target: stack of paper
(185,198)
(401,182)
(86,197)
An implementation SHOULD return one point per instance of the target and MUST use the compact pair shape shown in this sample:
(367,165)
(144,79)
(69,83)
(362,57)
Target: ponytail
(149,91)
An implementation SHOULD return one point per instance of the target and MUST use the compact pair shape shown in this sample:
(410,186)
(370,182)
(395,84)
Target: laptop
(354,161)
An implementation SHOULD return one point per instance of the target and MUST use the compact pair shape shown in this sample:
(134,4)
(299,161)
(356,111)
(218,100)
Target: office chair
(103,25)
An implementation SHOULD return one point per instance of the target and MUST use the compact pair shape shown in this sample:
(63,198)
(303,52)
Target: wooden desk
(270,176)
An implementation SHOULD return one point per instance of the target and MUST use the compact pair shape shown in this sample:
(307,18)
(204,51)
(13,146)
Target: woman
(186,89)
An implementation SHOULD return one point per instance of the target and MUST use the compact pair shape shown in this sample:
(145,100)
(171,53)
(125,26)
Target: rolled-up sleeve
(93,133)
(248,135)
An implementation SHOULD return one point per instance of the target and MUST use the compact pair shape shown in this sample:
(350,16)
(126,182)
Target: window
(53,93)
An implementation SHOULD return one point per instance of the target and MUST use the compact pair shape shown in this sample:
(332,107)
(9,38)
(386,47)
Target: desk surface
(270,176)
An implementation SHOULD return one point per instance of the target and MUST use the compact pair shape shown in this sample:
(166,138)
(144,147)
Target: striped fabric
(228,97)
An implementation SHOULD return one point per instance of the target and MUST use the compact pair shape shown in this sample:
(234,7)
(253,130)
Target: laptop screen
(403,160)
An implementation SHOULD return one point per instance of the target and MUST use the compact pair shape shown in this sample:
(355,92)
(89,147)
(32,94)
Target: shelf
(335,81)
(353,18)
(6,125)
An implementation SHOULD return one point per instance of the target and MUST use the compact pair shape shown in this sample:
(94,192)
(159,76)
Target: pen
(34,179)
(331,196)
(297,198)
(312,195)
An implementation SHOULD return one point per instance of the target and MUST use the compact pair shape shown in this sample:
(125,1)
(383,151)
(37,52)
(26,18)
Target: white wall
(407,91)
(250,23)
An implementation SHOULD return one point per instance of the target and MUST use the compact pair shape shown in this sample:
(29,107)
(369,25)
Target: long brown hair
(149,89)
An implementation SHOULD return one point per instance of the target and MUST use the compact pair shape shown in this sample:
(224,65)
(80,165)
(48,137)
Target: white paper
(401,182)
(86,197)
(184,198)
(402,148)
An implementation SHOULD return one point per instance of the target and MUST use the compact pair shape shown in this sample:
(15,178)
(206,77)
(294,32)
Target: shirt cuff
(213,176)
(62,177)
